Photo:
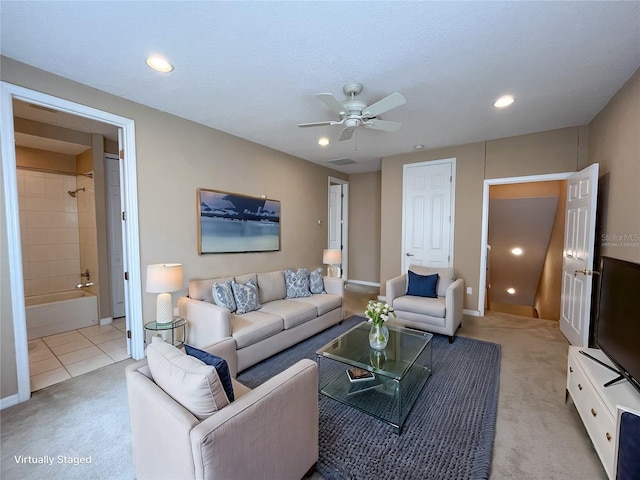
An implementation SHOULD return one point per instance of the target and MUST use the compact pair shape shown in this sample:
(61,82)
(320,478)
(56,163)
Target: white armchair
(270,432)
(438,315)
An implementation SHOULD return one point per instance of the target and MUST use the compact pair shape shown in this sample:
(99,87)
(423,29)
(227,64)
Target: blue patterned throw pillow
(315,281)
(297,283)
(246,296)
(223,295)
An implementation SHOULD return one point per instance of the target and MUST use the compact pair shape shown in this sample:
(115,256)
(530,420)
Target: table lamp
(163,278)
(333,258)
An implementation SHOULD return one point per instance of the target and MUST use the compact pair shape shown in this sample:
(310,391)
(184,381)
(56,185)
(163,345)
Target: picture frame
(236,223)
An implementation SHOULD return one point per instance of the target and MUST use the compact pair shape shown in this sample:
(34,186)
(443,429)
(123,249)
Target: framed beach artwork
(233,223)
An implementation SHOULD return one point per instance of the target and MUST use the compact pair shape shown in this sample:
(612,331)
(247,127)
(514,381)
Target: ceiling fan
(353,113)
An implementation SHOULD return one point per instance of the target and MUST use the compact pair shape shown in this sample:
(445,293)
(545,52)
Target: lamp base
(164,308)
(334,271)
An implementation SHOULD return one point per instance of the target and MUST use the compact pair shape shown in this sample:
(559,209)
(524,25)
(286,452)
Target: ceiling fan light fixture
(323,141)
(504,101)
(159,64)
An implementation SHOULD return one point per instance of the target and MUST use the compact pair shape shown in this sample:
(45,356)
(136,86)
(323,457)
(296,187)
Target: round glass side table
(179,324)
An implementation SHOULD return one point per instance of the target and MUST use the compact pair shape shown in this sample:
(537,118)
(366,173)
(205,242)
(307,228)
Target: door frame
(133,291)
(452,219)
(345,221)
(482,283)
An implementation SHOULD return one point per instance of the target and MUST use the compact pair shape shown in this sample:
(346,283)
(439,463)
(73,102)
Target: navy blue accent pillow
(629,447)
(219,363)
(423,285)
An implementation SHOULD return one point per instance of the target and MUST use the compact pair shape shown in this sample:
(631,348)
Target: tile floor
(58,357)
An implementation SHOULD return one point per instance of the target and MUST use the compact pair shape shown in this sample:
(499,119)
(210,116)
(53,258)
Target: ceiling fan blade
(384,125)
(331,102)
(316,124)
(387,103)
(346,134)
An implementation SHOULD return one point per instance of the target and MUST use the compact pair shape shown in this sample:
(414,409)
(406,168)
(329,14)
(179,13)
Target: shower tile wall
(87,231)
(49,231)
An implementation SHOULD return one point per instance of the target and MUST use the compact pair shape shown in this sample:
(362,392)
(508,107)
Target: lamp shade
(164,277)
(332,256)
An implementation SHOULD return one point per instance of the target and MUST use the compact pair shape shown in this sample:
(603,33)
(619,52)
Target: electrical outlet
(469,291)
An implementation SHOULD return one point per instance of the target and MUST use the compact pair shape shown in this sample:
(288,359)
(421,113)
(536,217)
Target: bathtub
(60,312)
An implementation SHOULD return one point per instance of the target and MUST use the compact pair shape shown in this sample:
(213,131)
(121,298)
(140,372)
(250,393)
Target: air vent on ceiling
(41,107)
(342,161)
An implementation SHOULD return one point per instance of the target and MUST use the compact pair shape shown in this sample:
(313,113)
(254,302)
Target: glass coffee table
(384,384)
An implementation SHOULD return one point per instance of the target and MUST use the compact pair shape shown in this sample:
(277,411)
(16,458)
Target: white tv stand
(597,404)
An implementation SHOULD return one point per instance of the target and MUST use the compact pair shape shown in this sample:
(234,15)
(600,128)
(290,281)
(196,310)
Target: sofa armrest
(270,432)
(226,349)
(334,285)
(207,323)
(454,303)
(396,287)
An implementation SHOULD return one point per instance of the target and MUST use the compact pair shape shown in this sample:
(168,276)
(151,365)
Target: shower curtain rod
(59,172)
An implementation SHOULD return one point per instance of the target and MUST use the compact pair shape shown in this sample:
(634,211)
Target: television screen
(618,321)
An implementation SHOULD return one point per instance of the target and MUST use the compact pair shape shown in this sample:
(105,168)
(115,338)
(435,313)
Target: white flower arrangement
(379,312)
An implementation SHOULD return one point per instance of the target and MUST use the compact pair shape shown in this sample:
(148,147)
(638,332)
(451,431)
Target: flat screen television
(617,331)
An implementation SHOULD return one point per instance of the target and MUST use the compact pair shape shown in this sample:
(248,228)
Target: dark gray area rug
(448,434)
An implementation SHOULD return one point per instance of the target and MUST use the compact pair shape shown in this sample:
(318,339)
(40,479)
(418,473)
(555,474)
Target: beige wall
(364,227)
(553,151)
(614,143)
(174,158)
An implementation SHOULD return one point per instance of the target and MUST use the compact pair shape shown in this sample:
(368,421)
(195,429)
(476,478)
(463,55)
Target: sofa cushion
(434,307)
(292,313)
(297,283)
(189,381)
(246,296)
(219,363)
(446,276)
(422,285)
(223,295)
(252,327)
(201,289)
(323,302)
(246,277)
(316,285)
(271,286)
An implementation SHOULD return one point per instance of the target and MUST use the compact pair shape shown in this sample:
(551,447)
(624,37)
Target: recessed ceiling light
(324,141)
(418,147)
(516,251)
(504,101)
(511,290)
(159,63)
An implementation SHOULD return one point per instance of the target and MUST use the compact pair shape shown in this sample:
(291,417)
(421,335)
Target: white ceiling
(252,69)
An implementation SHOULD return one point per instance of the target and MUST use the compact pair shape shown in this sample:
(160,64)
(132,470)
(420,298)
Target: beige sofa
(269,432)
(277,325)
(438,315)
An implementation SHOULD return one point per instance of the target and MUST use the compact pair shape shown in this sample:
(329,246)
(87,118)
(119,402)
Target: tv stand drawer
(595,403)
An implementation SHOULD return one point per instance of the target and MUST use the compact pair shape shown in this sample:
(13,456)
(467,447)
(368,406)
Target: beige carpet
(538,435)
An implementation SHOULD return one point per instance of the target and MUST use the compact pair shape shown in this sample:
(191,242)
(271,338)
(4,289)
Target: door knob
(584,271)
(409,254)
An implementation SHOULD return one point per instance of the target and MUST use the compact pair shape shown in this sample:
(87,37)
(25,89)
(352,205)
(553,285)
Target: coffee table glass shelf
(400,371)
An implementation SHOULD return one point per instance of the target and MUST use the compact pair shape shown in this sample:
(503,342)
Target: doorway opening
(523,217)
(338,223)
(28,183)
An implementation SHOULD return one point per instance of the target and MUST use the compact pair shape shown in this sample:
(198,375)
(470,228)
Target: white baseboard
(9,401)
(363,282)
(106,321)
(473,313)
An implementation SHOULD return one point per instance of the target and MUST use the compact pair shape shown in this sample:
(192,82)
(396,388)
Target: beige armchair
(270,432)
(442,314)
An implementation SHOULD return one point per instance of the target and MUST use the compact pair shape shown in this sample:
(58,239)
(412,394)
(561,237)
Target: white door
(577,265)
(114,222)
(427,214)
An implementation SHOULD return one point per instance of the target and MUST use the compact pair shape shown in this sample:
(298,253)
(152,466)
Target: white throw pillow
(189,381)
